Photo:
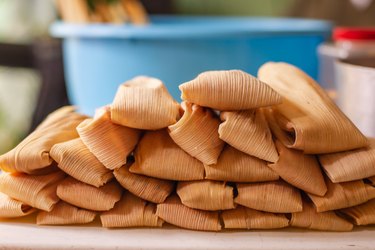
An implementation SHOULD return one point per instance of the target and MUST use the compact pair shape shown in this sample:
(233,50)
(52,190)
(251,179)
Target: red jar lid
(353,33)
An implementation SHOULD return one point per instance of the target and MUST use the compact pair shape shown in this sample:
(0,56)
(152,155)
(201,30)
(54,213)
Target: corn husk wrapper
(273,196)
(196,133)
(158,156)
(350,165)
(248,132)
(308,118)
(175,213)
(147,188)
(38,191)
(247,218)
(32,154)
(65,214)
(326,221)
(363,214)
(206,195)
(228,90)
(131,211)
(11,208)
(144,103)
(109,142)
(89,197)
(300,170)
(343,195)
(136,11)
(236,166)
(75,159)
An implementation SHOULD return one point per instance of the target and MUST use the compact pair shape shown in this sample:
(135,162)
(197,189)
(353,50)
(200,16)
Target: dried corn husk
(247,218)
(110,143)
(158,156)
(233,165)
(273,196)
(144,103)
(131,211)
(64,214)
(248,132)
(74,158)
(147,188)
(327,221)
(175,213)
(228,90)
(196,133)
(309,119)
(206,195)
(363,214)
(89,197)
(32,154)
(350,165)
(10,208)
(300,170)
(136,11)
(38,191)
(73,11)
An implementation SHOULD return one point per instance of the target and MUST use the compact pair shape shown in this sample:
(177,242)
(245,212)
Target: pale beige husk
(247,218)
(11,208)
(89,197)
(236,166)
(65,214)
(350,165)
(273,196)
(206,195)
(300,170)
(175,213)
(109,142)
(144,103)
(326,221)
(158,156)
(228,90)
(75,159)
(308,118)
(197,133)
(38,191)
(248,132)
(32,154)
(147,188)
(131,211)
(361,215)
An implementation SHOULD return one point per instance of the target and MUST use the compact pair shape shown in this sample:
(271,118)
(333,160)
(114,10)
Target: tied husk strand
(361,215)
(11,208)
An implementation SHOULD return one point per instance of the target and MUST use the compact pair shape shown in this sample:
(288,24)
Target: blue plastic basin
(99,57)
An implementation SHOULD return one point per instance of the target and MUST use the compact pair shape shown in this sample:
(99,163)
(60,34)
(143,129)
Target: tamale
(11,208)
(363,214)
(137,13)
(228,90)
(308,118)
(206,195)
(196,133)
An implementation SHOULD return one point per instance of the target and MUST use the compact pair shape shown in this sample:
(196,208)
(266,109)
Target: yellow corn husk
(10,208)
(144,103)
(326,221)
(248,132)
(73,11)
(228,90)
(131,211)
(65,214)
(74,158)
(343,195)
(38,191)
(308,118)
(363,214)
(136,11)
(158,156)
(89,197)
(109,142)
(196,133)
(274,197)
(247,218)
(206,195)
(235,166)
(175,213)
(32,154)
(350,165)
(300,170)
(147,188)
